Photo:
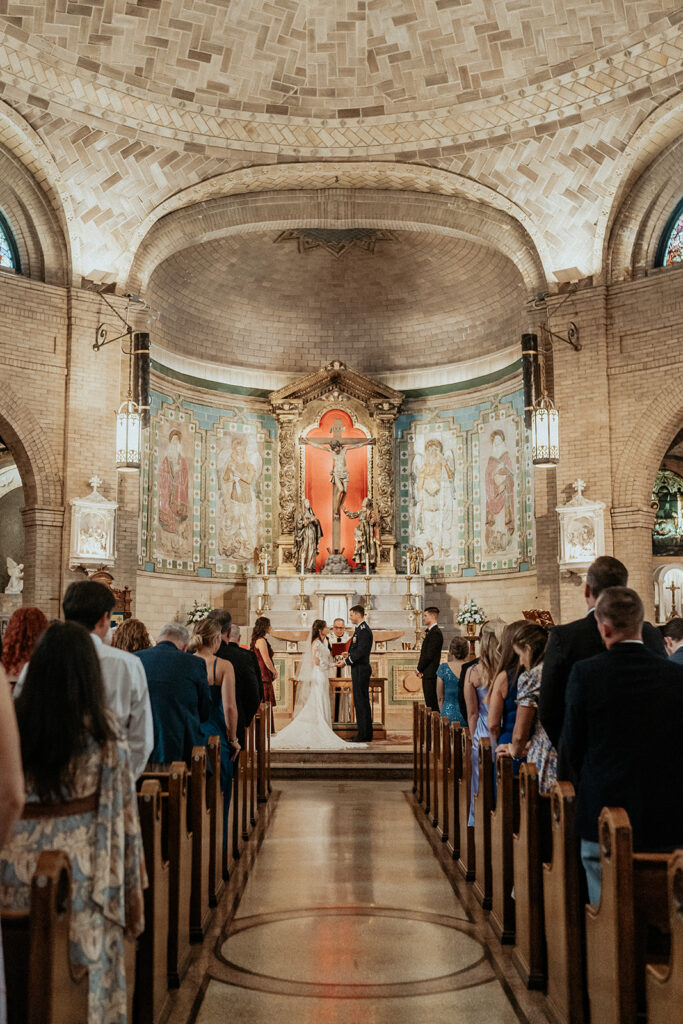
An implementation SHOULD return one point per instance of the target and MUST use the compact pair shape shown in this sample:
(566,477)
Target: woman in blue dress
(222,722)
(502,698)
(447,678)
(477,682)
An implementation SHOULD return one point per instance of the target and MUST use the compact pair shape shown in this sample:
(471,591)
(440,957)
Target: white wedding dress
(311,728)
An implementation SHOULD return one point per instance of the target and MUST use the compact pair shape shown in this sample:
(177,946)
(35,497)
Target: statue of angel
(16,577)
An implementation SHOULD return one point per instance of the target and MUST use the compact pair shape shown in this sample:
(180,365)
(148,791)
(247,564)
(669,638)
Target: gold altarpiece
(373,407)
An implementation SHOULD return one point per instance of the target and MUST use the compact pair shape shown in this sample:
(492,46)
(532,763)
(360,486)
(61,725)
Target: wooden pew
(245,774)
(151,982)
(253,772)
(235,840)
(466,856)
(531,846)
(454,772)
(43,987)
(177,850)
(262,767)
(267,711)
(664,982)
(199,819)
(435,765)
(416,747)
(420,751)
(504,821)
(633,903)
(563,902)
(483,805)
(214,800)
(427,794)
(445,779)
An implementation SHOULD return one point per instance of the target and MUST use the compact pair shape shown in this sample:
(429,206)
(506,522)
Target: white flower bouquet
(470,613)
(199,611)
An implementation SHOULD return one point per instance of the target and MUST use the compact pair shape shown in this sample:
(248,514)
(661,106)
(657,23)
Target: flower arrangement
(470,612)
(199,611)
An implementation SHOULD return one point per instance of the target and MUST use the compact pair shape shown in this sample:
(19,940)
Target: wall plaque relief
(93,529)
(582,531)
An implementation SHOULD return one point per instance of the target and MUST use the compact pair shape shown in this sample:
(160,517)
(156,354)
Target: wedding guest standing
(264,653)
(72,755)
(673,640)
(247,673)
(430,656)
(477,682)
(447,678)
(131,636)
(502,697)
(23,630)
(11,790)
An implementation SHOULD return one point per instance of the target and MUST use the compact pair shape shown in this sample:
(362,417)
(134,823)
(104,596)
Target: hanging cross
(673,588)
(578,486)
(94,482)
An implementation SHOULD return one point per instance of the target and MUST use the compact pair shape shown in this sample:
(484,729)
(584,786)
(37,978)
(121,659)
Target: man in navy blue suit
(621,735)
(179,693)
(359,660)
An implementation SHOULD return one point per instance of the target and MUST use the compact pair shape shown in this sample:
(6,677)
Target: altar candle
(302,565)
(265,567)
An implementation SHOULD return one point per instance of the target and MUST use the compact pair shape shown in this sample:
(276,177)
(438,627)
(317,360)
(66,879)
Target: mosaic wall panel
(466,488)
(207,487)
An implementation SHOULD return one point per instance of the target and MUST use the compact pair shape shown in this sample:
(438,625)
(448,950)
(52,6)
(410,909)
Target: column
(43,531)
(632,533)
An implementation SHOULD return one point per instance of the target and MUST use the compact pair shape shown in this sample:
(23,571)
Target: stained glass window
(9,257)
(672,242)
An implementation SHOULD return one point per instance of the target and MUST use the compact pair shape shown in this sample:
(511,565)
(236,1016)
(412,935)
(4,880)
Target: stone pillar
(632,535)
(287,488)
(43,584)
(384,481)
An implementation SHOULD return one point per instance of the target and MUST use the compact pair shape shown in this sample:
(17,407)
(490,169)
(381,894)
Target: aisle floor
(347,916)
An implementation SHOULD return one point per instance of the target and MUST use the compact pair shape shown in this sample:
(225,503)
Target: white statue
(16,577)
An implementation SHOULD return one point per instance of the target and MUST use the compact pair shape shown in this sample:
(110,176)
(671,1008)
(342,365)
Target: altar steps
(381,763)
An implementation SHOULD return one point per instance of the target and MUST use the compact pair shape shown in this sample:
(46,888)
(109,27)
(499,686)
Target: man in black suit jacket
(576,641)
(359,660)
(430,656)
(248,687)
(621,735)
(179,694)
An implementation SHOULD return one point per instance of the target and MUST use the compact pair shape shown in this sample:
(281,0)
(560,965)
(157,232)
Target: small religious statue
(307,534)
(261,559)
(415,560)
(16,577)
(365,539)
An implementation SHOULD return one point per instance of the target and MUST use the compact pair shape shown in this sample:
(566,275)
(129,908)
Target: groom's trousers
(360,678)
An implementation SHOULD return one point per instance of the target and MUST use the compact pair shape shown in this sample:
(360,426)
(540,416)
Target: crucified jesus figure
(339,474)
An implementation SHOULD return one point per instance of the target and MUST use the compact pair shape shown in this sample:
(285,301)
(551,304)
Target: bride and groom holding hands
(311,727)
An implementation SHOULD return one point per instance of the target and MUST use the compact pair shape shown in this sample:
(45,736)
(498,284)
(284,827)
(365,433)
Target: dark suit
(359,660)
(567,645)
(430,659)
(677,656)
(621,736)
(247,684)
(180,698)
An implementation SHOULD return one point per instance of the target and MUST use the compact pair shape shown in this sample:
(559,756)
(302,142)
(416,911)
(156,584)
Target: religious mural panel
(176,447)
(466,488)
(240,482)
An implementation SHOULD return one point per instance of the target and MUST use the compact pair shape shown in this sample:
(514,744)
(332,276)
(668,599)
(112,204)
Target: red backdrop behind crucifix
(318,486)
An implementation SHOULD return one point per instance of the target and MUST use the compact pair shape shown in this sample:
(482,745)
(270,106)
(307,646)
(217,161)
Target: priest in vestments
(339,641)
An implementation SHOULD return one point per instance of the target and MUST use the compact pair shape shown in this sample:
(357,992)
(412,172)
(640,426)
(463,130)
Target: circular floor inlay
(351,949)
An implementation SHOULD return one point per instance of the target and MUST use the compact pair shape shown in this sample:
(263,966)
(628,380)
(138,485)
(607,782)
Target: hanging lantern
(128,436)
(545,439)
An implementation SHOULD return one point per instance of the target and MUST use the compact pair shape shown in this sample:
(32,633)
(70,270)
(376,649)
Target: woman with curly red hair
(24,628)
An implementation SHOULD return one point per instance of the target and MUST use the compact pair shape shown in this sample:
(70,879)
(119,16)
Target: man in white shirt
(125,683)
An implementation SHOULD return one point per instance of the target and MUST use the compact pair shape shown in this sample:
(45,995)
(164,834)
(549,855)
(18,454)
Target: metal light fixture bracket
(572,337)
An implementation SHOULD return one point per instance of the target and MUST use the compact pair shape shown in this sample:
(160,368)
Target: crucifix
(339,472)
(673,588)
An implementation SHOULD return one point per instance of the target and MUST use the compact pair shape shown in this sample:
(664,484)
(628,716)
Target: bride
(311,727)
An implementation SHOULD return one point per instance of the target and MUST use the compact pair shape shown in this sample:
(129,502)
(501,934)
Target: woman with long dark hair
(264,655)
(80,798)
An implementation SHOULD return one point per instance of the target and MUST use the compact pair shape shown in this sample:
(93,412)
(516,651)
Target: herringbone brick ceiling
(122,110)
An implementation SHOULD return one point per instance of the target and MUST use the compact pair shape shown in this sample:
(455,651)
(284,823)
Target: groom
(359,660)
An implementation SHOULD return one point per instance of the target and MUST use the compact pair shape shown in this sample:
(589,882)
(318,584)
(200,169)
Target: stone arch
(630,228)
(339,207)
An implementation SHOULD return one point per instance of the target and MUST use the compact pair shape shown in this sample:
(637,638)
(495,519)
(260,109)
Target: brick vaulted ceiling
(119,108)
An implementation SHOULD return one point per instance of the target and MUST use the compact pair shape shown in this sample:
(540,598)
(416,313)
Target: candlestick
(265,565)
(302,565)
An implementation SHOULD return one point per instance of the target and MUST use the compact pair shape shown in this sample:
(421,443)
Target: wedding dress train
(311,728)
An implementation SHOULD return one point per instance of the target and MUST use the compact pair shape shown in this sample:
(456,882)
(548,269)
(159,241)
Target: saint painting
(433,500)
(499,482)
(174,506)
(240,513)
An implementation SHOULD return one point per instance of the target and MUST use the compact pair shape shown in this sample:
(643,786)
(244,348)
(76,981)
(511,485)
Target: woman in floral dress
(80,798)
(529,735)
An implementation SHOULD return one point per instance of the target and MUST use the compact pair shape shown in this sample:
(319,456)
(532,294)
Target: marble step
(363,764)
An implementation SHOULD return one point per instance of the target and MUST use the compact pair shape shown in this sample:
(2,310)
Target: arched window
(671,245)
(9,254)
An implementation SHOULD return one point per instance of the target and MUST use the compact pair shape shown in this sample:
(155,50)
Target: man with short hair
(673,640)
(577,640)
(248,687)
(125,687)
(430,656)
(621,735)
(179,692)
(359,660)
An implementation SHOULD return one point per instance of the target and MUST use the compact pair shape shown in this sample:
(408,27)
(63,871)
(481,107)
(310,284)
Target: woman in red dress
(264,655)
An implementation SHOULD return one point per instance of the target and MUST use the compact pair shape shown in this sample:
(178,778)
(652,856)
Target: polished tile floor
(347,916)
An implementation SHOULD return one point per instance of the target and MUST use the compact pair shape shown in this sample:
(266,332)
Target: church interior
(314,305)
